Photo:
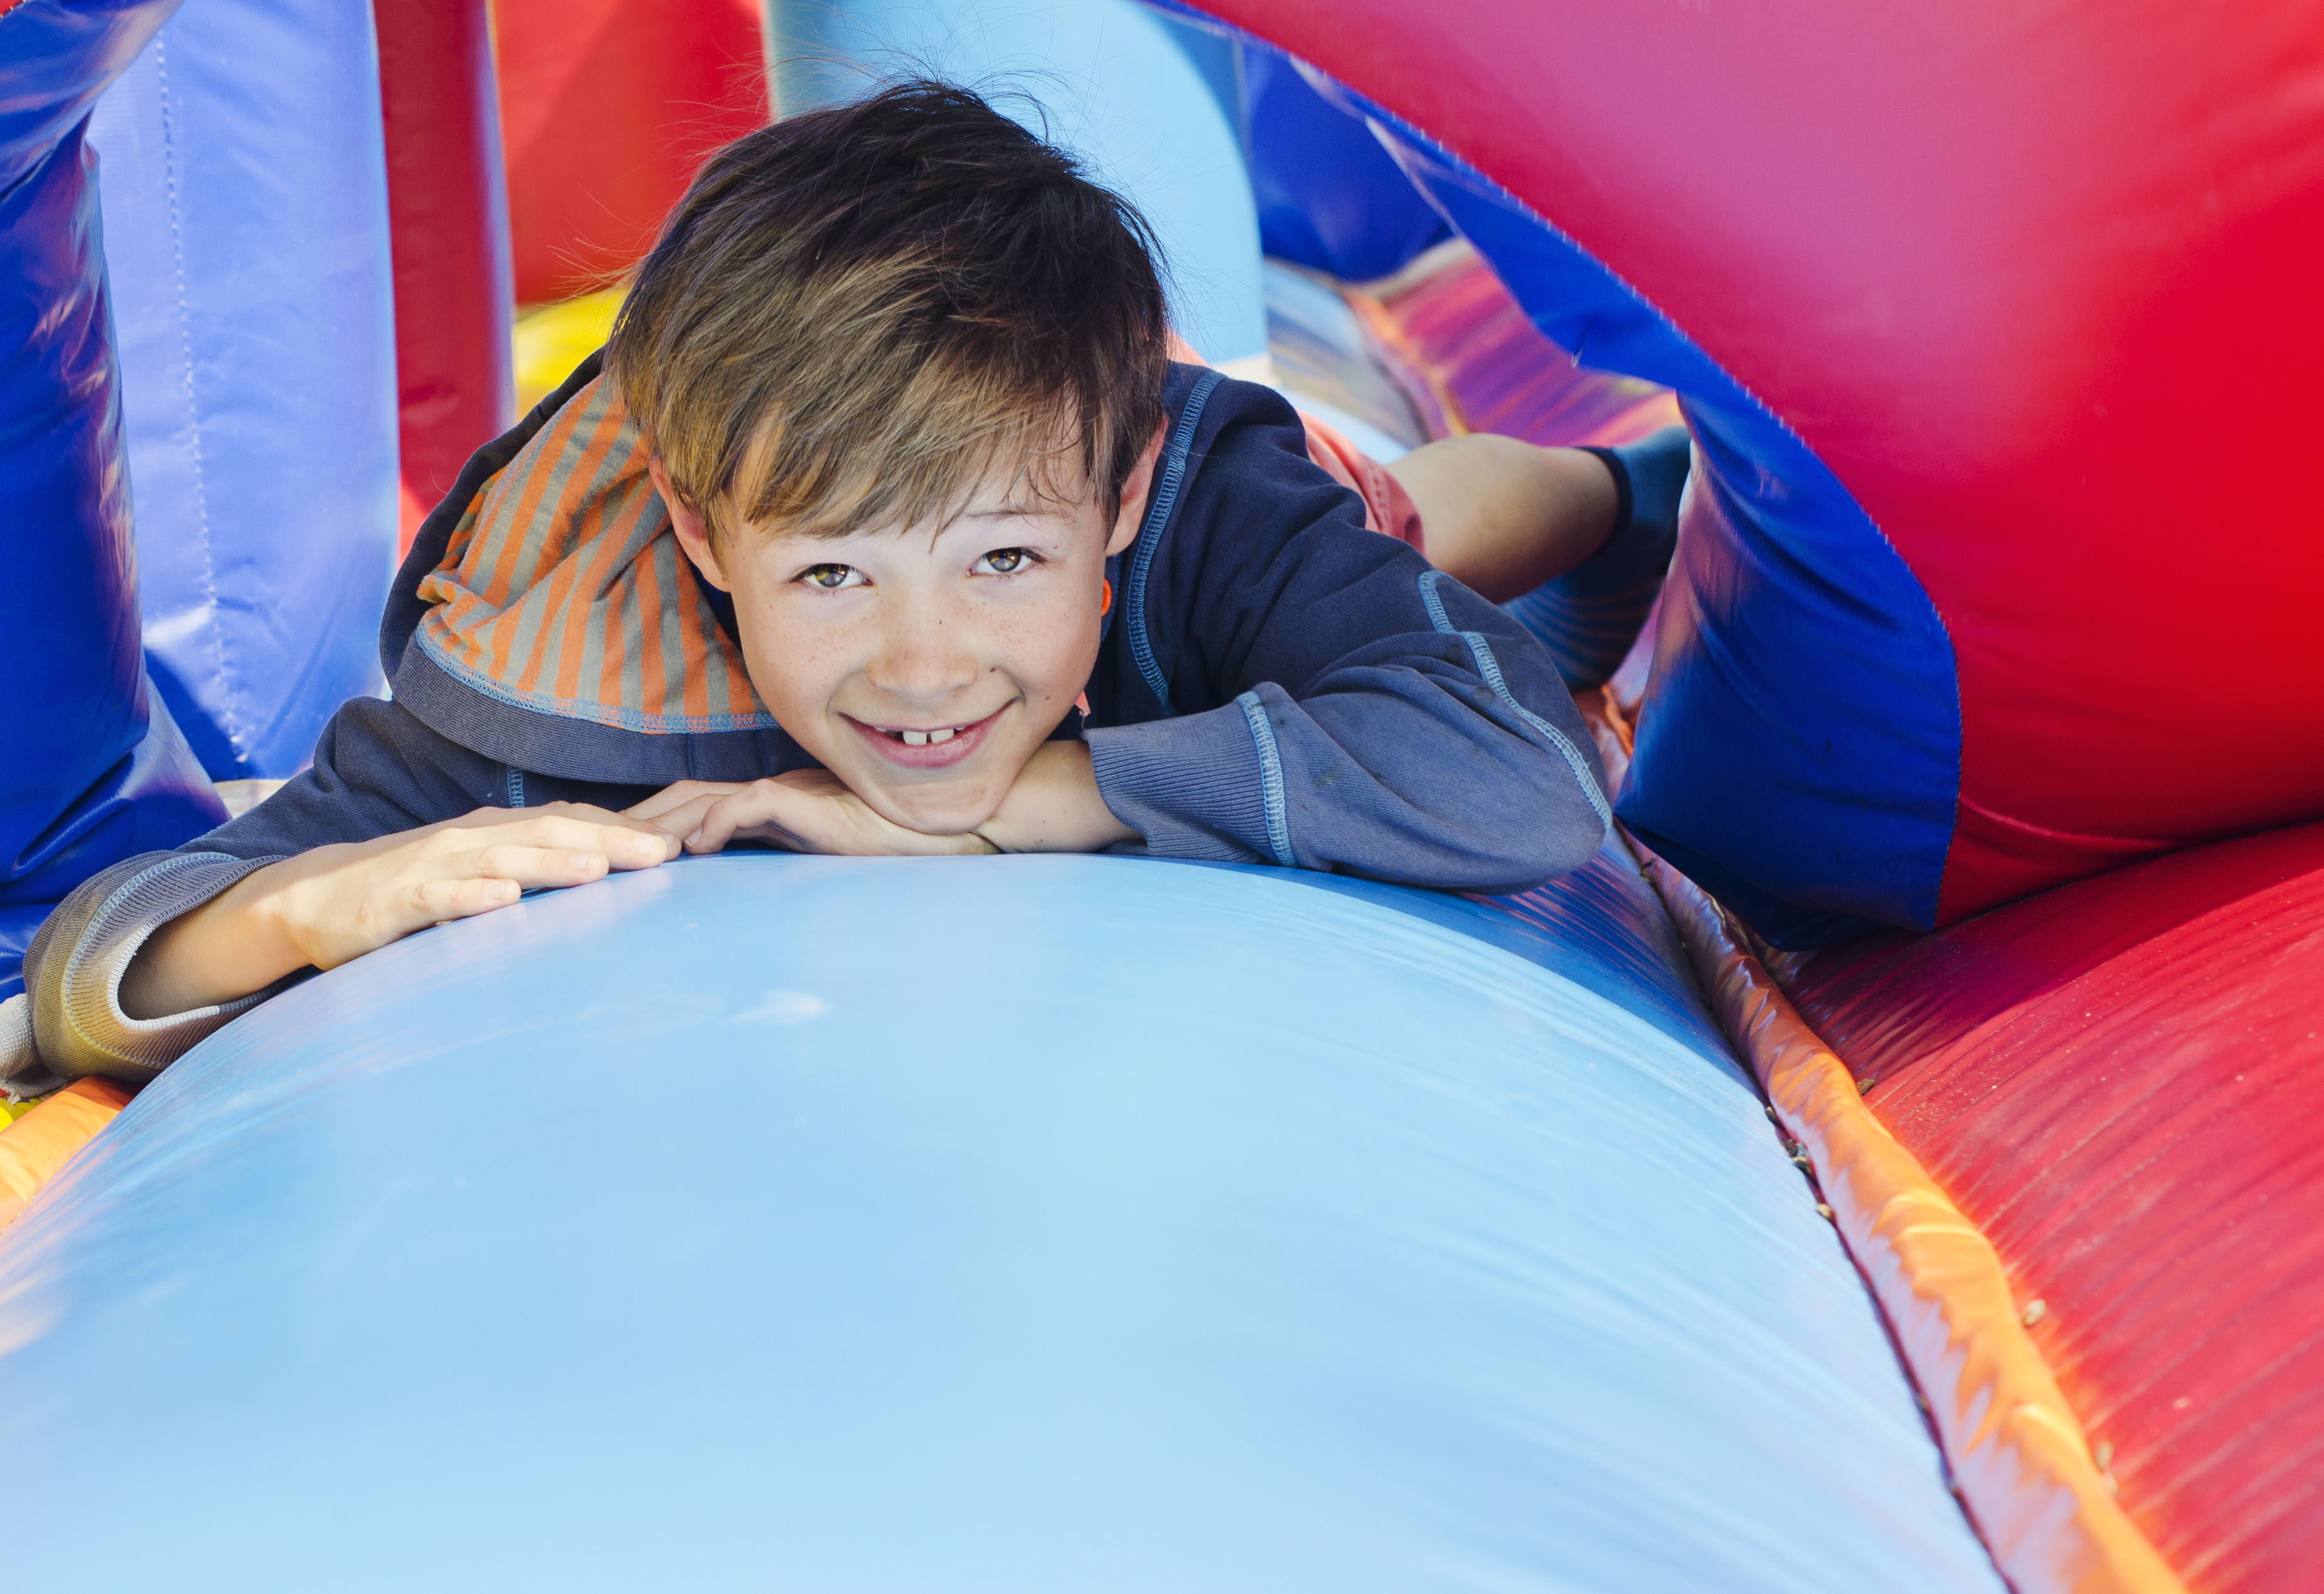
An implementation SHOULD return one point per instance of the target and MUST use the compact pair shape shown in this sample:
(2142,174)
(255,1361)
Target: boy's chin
(950,808)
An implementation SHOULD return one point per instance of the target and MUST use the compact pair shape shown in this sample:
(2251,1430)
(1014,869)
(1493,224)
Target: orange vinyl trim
(35,1147)
(2019,1459)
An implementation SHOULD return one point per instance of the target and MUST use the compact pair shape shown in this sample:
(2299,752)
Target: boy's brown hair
(858,315)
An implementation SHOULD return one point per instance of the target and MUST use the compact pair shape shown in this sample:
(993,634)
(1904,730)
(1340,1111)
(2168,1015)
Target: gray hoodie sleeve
(69,1021)
(1424,770)
(377,771)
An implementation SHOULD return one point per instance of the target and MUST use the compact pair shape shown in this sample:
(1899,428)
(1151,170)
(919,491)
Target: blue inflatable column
(1105,78)
(246,230)
(91,769)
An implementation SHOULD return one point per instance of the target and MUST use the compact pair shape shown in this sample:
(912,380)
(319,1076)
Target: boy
(885,526)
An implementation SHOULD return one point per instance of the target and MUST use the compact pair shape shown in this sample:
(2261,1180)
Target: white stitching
(1435,603)
(1270,779)
(1489,669)
(236,734)
(1149,536)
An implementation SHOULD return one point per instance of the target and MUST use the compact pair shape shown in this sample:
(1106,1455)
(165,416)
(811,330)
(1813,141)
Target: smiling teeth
(926,738)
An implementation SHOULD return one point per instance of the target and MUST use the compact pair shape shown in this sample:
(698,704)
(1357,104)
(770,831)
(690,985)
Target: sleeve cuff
(1191,786)
(78,1026)
(23,1075)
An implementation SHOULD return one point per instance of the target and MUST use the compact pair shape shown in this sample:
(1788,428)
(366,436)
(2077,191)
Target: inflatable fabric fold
(2019,1455)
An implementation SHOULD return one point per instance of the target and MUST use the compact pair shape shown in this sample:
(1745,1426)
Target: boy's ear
(693,536)
(1135,490)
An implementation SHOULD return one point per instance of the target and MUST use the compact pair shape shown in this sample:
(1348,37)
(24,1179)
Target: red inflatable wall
(2038,286)
(450,240)
(2122,1082)
(608,106)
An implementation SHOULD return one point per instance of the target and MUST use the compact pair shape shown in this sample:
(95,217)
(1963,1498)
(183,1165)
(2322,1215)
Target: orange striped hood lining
(563,589)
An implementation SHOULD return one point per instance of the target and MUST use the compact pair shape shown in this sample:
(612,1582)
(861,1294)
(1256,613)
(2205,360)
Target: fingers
(760,808)
(638,849)
(433,902)
(531,869)
(684,820)
(342,901)
(804,811)
(489,877)
(625,842)
(679,795)
(811,812)
(455,886)
(349,917)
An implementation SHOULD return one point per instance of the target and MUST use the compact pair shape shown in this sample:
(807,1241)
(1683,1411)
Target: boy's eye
(1005,561)
(832,578)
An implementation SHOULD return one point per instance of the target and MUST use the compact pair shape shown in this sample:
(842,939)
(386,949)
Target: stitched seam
(595,714)
(515,786)
(229,721)
(1157,516)
(1489,667)
(1435,603)
(1270,779)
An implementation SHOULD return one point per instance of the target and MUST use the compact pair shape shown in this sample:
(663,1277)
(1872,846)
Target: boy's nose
(926,661)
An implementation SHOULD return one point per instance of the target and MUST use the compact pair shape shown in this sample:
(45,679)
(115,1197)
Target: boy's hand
(337,903)
(1052,806)
(801,810)
(332,904)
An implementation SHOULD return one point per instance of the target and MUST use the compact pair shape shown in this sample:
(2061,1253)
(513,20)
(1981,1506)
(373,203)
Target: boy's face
(924,670)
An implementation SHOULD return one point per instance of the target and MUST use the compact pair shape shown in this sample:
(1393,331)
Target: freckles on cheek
(795,665)
(1051,651)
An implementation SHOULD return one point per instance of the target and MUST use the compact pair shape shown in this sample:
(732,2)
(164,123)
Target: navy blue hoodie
(1275,685)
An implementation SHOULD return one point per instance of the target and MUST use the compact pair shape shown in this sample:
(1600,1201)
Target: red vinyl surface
(2039,285)
(2122,1082)
(608,105)
(450,240)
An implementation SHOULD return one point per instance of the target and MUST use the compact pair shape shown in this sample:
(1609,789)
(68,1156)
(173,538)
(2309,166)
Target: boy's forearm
(230,946)
(1411,780)
(1055,807)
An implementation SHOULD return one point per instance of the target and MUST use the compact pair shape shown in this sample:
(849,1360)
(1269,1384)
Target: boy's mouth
(927,747)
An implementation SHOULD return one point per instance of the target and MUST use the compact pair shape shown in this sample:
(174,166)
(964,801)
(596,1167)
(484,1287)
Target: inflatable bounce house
(1896,1163)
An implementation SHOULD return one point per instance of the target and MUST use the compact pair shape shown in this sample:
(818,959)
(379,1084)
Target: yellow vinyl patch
(549,340)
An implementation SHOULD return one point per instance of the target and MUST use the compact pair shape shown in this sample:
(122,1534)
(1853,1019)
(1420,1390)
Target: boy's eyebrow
(1021,504)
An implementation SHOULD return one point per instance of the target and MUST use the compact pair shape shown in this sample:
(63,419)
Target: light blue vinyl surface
(1104,78)
(1009,1224)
